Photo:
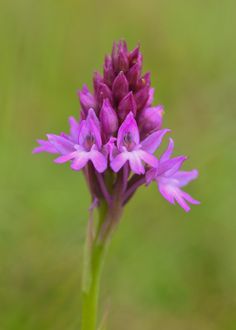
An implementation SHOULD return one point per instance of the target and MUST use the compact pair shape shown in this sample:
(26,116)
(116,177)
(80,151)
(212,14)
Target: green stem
(93,260)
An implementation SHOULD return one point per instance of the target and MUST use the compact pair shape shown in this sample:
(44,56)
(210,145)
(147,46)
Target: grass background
(165,269)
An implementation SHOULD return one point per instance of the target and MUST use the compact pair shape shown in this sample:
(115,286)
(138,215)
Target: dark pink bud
(123,63)
(120,57)
(103,93)
(141,97)
(97,80)
(114,55)
(120,86)
(144,81)
(108,118)
(150,119)
(134,55)
(133,74)
(127,104)
(109,73)
(87,100)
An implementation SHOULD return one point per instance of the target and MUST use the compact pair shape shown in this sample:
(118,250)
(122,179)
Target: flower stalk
(97,239)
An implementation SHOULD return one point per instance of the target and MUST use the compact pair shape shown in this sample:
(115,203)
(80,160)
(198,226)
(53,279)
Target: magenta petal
(45,146)
(147,158)
(84,132)
(184,177)
(167,154)
(65,158)
(151,175)
(172,193)
(170,167)
(152,142)
(74,129)
(61,144)
(128,127)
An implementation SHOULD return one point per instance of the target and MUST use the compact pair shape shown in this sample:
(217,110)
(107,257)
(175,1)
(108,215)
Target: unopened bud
(87,100)
(150,119)
(120,86)
(108,118)
(141,97)
(109,73)
(127,105)
(103,93)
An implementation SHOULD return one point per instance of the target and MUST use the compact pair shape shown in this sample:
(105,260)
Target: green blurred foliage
(165,269)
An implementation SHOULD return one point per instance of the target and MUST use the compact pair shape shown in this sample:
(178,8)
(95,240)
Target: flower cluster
(117,134)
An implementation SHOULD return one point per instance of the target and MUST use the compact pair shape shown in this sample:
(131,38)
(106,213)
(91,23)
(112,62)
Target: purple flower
(120,128)
(129,147)
(170,179)
(84,144)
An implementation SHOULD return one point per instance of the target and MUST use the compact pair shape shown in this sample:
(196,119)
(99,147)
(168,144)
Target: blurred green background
(165,269)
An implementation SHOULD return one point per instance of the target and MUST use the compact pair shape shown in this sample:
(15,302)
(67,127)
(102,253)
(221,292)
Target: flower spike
(118,133)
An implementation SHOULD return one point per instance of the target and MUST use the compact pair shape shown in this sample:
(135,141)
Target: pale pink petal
(74,129)
(166,193)
(166,155)
(83,132)
(65,158)
(118,161)
(189,198)
(169,167)
(61,144)
(152,142)
(147,158)
(184,177)
(135,162)
(151,175)
(45,146)
(180,200)
(80,161)
(98,159)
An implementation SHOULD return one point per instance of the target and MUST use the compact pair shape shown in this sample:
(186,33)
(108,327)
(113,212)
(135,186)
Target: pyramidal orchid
(113,143)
